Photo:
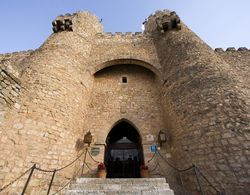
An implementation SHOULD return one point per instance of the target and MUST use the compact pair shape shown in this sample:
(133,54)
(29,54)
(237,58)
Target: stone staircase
(128,186)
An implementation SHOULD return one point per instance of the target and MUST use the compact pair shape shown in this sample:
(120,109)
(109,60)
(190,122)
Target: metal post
(197,178)
(84,160)
(28,180)
(51,181)
(182,185)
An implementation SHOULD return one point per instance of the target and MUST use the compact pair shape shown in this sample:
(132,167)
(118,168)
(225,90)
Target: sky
(26,24)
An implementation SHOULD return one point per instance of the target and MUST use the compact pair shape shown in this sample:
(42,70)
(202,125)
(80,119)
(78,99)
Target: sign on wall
(95,151)
(153,148)
(150,138)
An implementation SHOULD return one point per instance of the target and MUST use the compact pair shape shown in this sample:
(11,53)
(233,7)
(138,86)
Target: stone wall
(135,101)
(9,89)
(134,48)
(240,63)
(11,62)
(51,96)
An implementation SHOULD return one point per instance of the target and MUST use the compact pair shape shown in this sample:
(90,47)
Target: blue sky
(26,24)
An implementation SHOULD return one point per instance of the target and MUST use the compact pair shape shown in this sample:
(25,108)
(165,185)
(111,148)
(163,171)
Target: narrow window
(124,80)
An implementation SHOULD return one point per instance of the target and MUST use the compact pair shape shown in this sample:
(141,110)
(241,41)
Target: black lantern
(162,138)
(88,138)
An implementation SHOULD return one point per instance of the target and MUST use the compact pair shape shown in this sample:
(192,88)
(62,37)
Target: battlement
(231,49)
(162,21)
(84,23)
(63,23)
(126,35)
(9,54)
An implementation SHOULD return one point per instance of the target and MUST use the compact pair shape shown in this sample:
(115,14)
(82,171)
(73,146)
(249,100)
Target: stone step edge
(87,185)
(139,180)
(123,189)
(124,184)
(126,191)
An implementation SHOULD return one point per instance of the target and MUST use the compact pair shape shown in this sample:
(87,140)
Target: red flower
(144,167)
(101,166)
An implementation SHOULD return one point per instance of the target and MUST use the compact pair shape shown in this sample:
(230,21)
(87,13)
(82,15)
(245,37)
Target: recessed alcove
(123,153)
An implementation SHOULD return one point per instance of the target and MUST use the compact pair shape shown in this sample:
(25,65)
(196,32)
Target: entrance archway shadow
(123,154)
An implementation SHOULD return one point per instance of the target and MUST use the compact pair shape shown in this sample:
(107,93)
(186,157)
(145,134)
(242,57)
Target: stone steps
(128,186)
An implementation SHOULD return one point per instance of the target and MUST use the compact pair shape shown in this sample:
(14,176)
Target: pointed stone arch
(123,153)
(127,121)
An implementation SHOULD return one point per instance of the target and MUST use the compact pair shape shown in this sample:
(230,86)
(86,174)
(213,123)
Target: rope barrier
(71,162)
(88,167)
(194,167)
(152,158)
(92,157)
(156,154)
(67,182)
(154,167)
(43,170)
(210,184)
(59,169)
(20,176)
(40,169)
(179,170)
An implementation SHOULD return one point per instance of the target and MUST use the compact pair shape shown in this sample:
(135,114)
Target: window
(124,80)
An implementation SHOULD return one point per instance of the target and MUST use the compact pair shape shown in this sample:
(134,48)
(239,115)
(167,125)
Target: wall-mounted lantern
(162,137)
(88,138)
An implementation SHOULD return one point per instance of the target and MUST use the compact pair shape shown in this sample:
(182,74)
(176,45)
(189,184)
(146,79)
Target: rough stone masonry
(52,96)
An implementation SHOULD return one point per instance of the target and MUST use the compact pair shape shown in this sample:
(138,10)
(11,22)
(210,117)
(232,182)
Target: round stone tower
(54,85)
(205,107)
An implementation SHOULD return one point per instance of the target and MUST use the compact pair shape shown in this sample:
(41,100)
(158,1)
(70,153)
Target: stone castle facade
(166,78)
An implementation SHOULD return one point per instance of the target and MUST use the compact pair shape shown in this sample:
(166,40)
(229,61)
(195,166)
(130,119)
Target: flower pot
(101,173)
(144,173)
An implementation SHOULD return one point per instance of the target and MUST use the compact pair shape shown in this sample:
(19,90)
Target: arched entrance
(123,154)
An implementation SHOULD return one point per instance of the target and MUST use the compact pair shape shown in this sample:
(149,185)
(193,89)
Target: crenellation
(162,22)
(242,49)
(121,36)
(62,23)
(220,50)
(118,35)
(138,33)
(9,54)
(128,34)
(230,49)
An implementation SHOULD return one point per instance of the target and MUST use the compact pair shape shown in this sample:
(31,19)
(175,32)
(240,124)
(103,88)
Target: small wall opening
(124,79)
(123,154)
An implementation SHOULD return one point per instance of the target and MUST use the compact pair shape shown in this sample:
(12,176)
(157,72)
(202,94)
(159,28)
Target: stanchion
(28,180)
(198,180)
(51,181)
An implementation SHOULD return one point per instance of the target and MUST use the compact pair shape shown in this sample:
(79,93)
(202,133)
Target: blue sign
(153,148)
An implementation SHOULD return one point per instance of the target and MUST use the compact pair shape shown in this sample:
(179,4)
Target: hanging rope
(19,177)
(157,164)
(88,167)
(209,183)
(152,158)
(179,170)
(67,182)
(40,169)
(92,158)
(193,167)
